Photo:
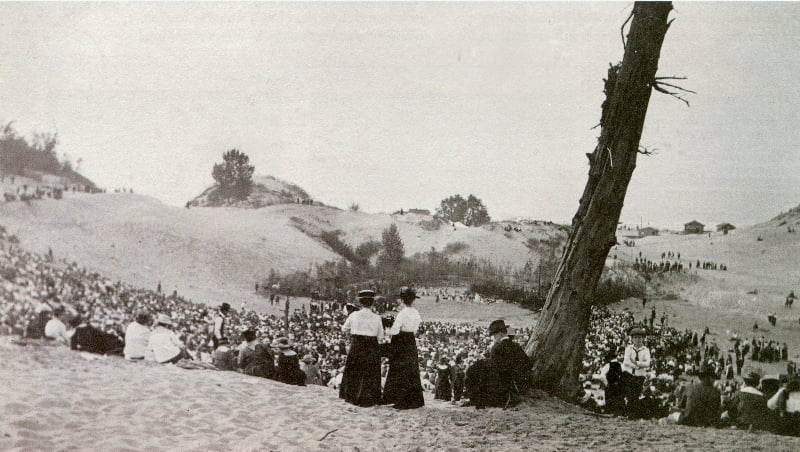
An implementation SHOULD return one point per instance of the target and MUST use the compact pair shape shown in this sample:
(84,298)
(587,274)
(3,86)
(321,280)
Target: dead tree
(557,342)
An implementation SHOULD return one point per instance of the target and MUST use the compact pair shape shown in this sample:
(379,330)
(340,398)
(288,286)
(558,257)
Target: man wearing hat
(701,402)
(748,407)
(164,344)
(220,324)
(498,380)
(637,356)
(635,367)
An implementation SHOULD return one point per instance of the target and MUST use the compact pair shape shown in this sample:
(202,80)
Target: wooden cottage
(648,232)
(693,227)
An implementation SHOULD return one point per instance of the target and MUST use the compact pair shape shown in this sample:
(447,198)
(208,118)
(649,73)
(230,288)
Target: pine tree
(392,248)
(234,175)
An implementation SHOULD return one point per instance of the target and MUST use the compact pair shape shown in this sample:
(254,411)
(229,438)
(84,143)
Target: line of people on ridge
(497,381)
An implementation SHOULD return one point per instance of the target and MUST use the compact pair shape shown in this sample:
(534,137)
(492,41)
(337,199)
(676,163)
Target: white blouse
(407,321)
(364,323)
(637,360)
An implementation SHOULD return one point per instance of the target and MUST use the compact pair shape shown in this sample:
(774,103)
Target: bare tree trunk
(557,342)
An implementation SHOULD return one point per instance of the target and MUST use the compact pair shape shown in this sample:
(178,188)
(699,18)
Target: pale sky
(393,105)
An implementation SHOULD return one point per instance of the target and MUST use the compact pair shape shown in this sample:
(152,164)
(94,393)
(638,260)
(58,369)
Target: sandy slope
(217,254)
(769,266)
(53,399)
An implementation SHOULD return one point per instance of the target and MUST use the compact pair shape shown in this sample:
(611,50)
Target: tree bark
(557,343)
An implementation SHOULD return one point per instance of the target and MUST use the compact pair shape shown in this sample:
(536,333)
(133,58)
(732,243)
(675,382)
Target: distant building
(420,211)
(725,227)
(647,232)
(693,227)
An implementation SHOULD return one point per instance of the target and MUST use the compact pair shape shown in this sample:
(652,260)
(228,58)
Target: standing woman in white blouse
(403,386)
(361,381)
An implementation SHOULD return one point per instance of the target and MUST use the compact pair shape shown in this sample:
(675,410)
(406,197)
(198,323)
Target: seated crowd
(68,304)
(653,378)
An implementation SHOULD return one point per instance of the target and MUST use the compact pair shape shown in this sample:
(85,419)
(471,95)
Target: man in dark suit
(748,406)
(701,401)
(498,380)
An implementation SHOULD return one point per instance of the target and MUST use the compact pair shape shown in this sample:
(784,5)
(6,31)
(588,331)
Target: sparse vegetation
(335,243)
(430,225)
(455,247)
(618,284)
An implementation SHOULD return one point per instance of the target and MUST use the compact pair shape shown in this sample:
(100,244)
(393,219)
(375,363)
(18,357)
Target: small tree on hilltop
(234,175)
(470,211)
(452,209)
(477,214)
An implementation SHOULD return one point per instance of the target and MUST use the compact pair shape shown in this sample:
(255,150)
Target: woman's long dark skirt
(361,382)
(403,387)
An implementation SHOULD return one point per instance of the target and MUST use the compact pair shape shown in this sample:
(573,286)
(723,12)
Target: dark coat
(224,359)
(90,339)
(749,407)
(444,387)
(289,371)
(258,361)
(500,378)
(701,403)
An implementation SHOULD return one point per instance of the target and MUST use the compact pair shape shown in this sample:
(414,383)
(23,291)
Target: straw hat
(164,319)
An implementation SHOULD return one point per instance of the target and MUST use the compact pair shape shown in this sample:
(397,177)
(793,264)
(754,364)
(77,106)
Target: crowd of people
(36,289)
(671,262)
(629,368)
(645,372)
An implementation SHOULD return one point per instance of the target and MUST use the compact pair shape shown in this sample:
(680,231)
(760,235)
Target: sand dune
(54,399)
(768,266)
(217,254)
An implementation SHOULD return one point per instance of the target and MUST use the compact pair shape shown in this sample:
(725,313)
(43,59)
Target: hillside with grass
(218,254)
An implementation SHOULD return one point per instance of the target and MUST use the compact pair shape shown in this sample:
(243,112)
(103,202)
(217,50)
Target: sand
(215,255)
(55,399)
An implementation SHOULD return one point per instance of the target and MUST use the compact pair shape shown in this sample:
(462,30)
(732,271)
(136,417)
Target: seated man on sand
(224,357)
(55,329)
(164,344)
(785,404)
(137,336)
(747,408)
(700,402)
(498,380)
